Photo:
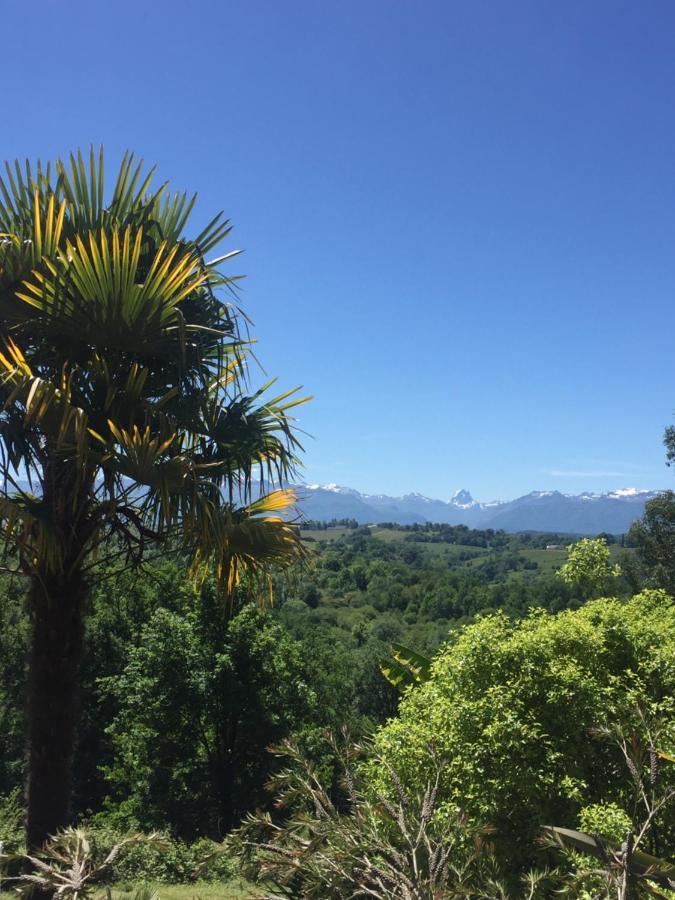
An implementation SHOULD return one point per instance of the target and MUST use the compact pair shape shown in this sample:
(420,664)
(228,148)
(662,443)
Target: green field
(323,534)
(388,534)
(454,551)
(547,560)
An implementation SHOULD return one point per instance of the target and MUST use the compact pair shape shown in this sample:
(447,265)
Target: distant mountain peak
(538,494)
(332,487)
(462,499)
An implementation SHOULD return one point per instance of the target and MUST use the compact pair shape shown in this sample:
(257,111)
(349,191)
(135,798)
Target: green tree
(669,444)
(126,420)
(588,568)
(13,643)
(654,538)
(310,594)
(120,608)
(510,705)
(197,706)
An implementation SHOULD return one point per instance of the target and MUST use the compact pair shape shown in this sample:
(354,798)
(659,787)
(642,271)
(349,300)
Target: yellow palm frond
(283,499)
(140,455)
(95,284)
(244,542)
(36,540)
(22,251)
(45,406)
(140,450)
(47,226)
(14,359)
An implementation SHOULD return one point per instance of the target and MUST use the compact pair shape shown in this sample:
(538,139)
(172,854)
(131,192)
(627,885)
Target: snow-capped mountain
(587,513)
(463,500)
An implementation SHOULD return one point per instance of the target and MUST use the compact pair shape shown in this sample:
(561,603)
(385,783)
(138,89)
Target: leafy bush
(607,820)
(165,860)
(588,567)
(510,705)
(617,855)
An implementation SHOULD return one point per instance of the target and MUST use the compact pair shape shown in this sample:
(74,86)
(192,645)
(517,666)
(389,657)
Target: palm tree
(126,421)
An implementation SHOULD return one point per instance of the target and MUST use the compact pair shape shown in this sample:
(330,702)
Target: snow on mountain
(334,488)
(629,493)
(462,499)
(323,502)
(587,513)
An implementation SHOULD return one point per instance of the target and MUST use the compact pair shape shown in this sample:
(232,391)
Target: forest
(183,703)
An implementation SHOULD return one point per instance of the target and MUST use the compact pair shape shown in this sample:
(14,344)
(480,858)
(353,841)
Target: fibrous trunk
(53,702)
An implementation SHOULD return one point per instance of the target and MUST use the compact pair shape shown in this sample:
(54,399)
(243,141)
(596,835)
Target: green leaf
(405,667)
(658,870)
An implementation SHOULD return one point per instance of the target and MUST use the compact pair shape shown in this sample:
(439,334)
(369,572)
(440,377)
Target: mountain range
(588,513)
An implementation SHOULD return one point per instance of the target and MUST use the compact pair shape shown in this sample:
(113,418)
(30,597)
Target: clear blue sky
(458,218)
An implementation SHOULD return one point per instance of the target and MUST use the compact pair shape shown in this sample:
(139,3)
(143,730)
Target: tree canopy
(510,707)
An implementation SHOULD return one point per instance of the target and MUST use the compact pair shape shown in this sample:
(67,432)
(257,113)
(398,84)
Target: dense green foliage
(654,538)
(13,644)
(511,705)
(179,704)
(412,584)
(181,700)
(196,705)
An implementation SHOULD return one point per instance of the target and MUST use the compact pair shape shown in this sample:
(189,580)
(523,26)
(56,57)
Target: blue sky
(458,218)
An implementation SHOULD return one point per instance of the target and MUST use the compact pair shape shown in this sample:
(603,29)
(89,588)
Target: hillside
(413,583)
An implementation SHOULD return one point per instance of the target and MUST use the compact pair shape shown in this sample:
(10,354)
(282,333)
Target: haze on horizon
(458,218)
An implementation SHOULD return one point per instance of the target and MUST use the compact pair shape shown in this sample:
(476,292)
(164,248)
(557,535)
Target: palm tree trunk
(57,609)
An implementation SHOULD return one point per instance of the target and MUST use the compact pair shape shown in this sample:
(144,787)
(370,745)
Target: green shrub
(169,861)
(219,867)
(510,706)
(606,820)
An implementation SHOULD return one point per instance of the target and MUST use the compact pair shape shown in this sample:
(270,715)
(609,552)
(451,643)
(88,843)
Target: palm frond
(24,522)
(46,407)
(21,251)
(247,436)
(96,284)
(248,541)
